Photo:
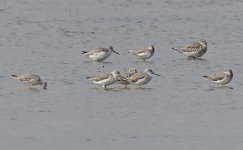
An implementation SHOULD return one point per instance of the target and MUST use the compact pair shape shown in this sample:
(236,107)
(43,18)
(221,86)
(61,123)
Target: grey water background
(177,111)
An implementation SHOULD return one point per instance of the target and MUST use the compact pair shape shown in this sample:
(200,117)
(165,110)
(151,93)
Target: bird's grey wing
(26,77)
(138,51)
(96,50)
(218,76)
(100,76)
(137,76)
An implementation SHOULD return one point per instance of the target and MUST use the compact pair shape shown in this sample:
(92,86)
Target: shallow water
(179,110)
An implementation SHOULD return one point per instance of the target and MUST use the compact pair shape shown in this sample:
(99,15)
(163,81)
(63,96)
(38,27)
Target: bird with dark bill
(99,54)
(193,50)
(221,78)
(30,79)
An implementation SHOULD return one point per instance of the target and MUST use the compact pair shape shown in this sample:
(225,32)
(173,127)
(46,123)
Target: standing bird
(129,74)
(30,79)
(193,50)
(105,78)
(221,78)
(141,78)
(144,53)
(99,54)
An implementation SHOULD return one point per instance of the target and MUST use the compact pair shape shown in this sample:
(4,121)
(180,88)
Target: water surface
(179,110)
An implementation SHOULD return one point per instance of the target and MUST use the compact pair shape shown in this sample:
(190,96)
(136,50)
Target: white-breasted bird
(105,78)
(221,78)
(141,78)
(99,54)
(143,53)
(193,50)
(30,79)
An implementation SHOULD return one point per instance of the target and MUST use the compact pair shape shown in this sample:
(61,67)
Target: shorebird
(193,50)
(143,53)
(99,54)
(129,74)
(221,78)
(30,79)
(105,78)
(141,78)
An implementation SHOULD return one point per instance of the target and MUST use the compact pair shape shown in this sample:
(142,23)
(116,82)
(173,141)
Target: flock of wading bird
(192,51)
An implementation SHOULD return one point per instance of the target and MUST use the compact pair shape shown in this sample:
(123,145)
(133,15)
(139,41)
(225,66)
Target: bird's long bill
(115,52)
(156,74)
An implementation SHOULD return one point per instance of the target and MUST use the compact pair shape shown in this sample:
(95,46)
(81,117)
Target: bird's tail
(205,76)
(177,49)
(88,78)
(84,52)
(131,52)
(14,76)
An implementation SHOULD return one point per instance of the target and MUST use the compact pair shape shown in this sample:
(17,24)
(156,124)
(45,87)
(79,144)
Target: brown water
(177,111)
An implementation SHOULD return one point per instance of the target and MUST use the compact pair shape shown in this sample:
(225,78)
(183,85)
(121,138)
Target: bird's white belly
(197,53)
(145,55)
(143,81)
(224,81)
(192,54)
(107,81)
(99,56)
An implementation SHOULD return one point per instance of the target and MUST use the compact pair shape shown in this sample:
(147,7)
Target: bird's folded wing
(137,76)
(191,47)
(25,77)
(100,76)
(138,51)
(218,76)
(96,50)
